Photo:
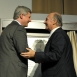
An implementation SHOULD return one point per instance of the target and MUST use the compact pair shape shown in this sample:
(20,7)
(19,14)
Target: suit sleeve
(53,50)
(20,39)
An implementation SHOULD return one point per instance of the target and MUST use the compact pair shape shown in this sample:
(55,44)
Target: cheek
(26,21)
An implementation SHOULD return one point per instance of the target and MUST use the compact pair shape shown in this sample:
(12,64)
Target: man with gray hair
(13,41)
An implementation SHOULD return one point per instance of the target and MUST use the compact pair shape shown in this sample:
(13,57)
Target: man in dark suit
(56,60)
(13,41)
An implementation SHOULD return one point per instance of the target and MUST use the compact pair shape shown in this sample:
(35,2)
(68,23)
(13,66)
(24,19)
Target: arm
(20,39)
(53,50)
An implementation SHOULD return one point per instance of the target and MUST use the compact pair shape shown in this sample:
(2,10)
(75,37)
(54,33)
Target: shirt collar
(52,31)
(18,22)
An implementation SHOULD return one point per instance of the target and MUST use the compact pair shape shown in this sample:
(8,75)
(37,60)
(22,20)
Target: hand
(28,54)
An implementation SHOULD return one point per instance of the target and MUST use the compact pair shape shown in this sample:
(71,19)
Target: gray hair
(20,10)
(58,17)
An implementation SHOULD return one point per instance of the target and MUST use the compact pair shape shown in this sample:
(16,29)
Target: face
(49,22)
(26,19)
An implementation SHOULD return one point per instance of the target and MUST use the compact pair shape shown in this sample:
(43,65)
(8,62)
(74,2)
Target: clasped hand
(28,54)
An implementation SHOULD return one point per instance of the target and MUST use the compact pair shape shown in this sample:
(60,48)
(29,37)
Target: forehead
(49,16)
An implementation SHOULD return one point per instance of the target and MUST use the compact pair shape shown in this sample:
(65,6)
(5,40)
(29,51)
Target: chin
(25,25)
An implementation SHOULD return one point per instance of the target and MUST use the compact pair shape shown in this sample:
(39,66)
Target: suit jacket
(57,60)
(13,41)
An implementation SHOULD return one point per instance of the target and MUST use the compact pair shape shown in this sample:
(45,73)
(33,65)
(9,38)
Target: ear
(54,21)
(21,16)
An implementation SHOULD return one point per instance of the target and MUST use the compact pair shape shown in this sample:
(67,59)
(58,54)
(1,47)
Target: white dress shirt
(52,31)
